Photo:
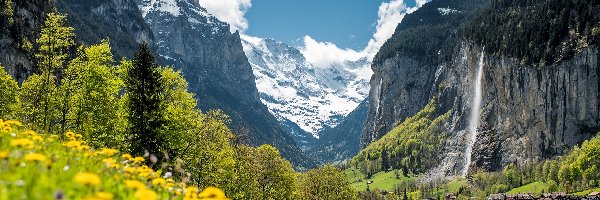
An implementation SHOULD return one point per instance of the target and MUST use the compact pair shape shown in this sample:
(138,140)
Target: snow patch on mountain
(296,90)
(165,6)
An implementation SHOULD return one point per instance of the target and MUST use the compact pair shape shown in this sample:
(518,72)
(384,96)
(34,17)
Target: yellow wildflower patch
(88,179)
(145,194)
(23,142)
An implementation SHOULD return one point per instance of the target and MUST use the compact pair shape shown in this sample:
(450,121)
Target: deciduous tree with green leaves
(9,100)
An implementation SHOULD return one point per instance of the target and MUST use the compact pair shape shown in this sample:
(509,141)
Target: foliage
(118,105)
(326,182)
(9,100)
(537,32)
(261,173)
(144,87)
(427,35)
(42,166)
(382,180)
(91,101)
(412,146)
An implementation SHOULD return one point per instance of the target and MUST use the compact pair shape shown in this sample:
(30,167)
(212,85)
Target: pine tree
(144,87)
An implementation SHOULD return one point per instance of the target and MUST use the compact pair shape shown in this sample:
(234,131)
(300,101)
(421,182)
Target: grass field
(381,180)
(536,188)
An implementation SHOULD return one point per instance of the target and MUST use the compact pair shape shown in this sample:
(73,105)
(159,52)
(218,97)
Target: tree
(55,42)
(326,182)
(92,104)
(144,86)
(261,173)
(9,100)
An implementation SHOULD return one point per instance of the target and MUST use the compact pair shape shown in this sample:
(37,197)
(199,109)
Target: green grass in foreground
(536,188)
(381,180)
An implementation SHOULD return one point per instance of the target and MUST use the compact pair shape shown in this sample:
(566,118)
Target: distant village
(546,196)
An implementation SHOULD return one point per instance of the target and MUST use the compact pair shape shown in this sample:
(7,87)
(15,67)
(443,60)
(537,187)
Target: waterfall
(475,115)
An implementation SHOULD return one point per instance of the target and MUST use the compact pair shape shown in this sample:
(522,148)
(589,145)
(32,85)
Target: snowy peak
(295,90)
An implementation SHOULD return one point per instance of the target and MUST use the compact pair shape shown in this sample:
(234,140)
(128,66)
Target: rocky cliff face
(21,22)
(213,62)
(118,20)
(528,112)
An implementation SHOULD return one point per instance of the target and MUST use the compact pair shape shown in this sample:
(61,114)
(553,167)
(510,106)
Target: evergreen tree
(144,87)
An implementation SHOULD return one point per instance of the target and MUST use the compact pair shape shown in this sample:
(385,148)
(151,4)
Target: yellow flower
(37,138)
(189,191)
(104,195)
(126,156)
(35,157)
(69,134)
(30,133)
(6,129)
(73,144)
(139,159)
(21,142)
(100,196)
(83,148)
(13,122)
(212,193)
(88,179)
(108,151)
(128,169)
(133,184)
(158,181)
(145,194)
(78,136)
(4,154)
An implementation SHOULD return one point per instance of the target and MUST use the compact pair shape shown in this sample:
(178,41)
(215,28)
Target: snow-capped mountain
(214,64)
(295,90)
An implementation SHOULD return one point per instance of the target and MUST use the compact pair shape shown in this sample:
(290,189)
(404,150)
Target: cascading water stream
(475,115)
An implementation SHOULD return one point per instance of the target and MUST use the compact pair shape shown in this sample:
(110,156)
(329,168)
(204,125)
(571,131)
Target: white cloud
(324,54)
(230,11)
(389,15)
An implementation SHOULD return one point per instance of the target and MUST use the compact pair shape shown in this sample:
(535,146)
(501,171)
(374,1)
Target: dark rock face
(536,112)
(400,87)
(213,62)
(117,20)
(27,19)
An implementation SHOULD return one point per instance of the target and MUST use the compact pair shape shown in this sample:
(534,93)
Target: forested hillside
(140,109)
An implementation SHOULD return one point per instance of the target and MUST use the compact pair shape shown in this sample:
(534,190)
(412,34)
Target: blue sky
(327,32)
(346,23)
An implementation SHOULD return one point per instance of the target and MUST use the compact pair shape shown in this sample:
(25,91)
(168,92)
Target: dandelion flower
(78,136)
(13,122)
(108,151)
(73,144)
(37,138)
(83,148)
(213,193)
(126,156)
(30,133)
(21,142)
(35,157)
(87,179)
(139,159)
(133,184)
(104,196)
(158,181)
(4,154)
(69,134)
(145,194)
